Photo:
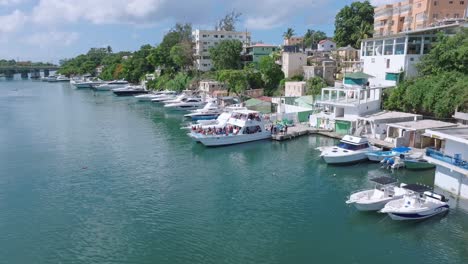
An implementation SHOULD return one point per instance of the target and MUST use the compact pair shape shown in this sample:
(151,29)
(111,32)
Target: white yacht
(110,85)
(185,104)
(173,100)
(162,98)
(60,78)
(86,83)
(375,199)
(419,203)
(351,149)
(242,126)
(209,112)
(49,78)
(153,95)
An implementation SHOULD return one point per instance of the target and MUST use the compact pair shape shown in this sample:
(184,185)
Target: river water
(88,177)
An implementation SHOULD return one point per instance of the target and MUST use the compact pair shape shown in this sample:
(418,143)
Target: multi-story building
(255,52)
(293,41)
(388,57)
(292,63)
(450,155)
(415,14)
(205,39)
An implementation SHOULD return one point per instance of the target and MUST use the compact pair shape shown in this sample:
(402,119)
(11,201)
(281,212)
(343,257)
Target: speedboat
(173,99)
(48,78)
(190,103)
(375,199)
(351,149)
(60,78)
(129,90)
(162,98)
(153,95)
(110,85)
(419,203)
(379,155)
(242,126)
(209,112)
(87,83)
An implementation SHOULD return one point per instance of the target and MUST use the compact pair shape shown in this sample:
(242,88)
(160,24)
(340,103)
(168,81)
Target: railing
(456,160)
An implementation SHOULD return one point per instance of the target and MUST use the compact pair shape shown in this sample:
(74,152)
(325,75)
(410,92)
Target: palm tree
(364,31)
(289,33)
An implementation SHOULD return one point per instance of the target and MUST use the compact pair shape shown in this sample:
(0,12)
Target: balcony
(454,163)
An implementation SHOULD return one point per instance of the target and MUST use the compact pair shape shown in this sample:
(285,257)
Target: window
(392,23)
(462,2)
(383,22)
(388,63)
(331,46)
(435,16)
(369,48)
(400,46)
(373,60)
(216,36)
(456,15)
(450,2)
(435,3)
(419,5)
(428,44)
(222,36)
(378,47)
(414,45)
(388,47)
(229,36)
(205,36)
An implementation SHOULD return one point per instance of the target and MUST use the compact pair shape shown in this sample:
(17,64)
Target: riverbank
(91,177)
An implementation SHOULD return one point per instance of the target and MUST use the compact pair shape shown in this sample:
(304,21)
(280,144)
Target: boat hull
(129,93)
(374,206)
(213,141)
(379,156)
(203,117)
(418,165)
(408,216)
(343,159)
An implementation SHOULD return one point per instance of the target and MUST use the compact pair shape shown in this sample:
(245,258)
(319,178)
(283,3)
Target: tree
(288,33)
(271,74)
(314,85)
(236,80)
(228,22)
(312,37)
(226,55)
(349,21)
(109,49)
(181,55)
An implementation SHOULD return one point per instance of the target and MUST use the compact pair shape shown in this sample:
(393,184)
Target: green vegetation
(288,33)
(314,85)
(443,84)
(312,37)
(6,63)
(227,55)
(354,23)
(271,74)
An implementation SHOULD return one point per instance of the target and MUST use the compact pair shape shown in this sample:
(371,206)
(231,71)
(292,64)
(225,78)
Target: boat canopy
(401,149)
(419,188)
(384,180)
(354,140)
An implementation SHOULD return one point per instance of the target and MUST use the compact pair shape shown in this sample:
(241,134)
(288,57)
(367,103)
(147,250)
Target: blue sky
(49,30)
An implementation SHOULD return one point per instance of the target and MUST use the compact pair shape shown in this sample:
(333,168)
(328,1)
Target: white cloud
(12,22)
(53,38)
(10,2)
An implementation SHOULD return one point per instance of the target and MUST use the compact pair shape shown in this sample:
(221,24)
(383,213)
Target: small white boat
(50,78)
(130,90)
(86,83)
(153,95)
(351,149)
(172,100)
(209,112)
(375,199)
(111,85)
(60,78)
(242,126)
(190,103)
(419,203)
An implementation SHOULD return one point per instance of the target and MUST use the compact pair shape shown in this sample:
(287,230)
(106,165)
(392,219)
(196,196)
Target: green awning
(358,75)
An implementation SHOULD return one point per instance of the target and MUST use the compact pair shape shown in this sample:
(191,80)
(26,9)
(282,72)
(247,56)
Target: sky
(50,30)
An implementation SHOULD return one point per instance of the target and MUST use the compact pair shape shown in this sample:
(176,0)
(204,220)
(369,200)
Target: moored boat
(380,154)
(110,85)
(210,111)
(129,90)
(418,164)
(351,149)
(153,95)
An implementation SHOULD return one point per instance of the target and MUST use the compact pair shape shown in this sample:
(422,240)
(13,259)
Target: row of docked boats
(400,202)
(353,149)
(55,78)
(118,87)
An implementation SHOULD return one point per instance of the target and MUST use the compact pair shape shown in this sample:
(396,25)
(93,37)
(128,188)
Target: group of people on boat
(244,117)
(227,130)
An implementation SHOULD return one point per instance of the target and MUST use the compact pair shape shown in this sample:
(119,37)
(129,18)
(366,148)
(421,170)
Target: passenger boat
(419,203)
(375,199)
(380,154)
(110,85)
(129,90)
(153,95)
(242,126)
(209,112)
(190,103)
(351,149)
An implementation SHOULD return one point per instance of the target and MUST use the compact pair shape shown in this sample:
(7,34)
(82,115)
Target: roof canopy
(417,187)
(384,180)
(358,75)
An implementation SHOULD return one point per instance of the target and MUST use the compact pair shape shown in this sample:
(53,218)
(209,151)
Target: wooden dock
(296,131)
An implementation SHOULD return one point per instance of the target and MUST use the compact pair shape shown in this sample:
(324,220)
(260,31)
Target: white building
(205,39)
(211,86)
(326,45)
(450,159)
(292,63)
(387,57)
(294,89)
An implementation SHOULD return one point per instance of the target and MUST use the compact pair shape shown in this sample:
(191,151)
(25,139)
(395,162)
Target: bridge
(25,70)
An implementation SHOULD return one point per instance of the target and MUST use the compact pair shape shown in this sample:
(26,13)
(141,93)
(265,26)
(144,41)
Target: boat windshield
(348,146)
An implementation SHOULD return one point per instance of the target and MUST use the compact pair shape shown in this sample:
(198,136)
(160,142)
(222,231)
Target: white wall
(326,46)
(453,182)
(292,63)
(453,147)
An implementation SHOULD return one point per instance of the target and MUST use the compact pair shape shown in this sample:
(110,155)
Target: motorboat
(385,190)
(419,203)
(110,85)
(379,155)
(130,90)
(417,164)
(209,112)
(48,78)
(173,100)
(86,83)
(190,103)
(242,126)
(395,162)
(351,149)
(60,78)
(153,95)
(162,98)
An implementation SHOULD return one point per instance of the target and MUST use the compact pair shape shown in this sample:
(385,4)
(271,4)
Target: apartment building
(205,39)
(415,14)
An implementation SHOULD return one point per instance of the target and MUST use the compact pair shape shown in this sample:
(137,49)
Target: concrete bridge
(25,70)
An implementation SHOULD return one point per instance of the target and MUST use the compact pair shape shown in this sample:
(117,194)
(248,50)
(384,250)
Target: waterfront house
(326,45)
(210,86)
(391,57)
(295,89)
(255,52)
(450,155)
(410,134)
(205,39)
(375,125)
(410,15)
